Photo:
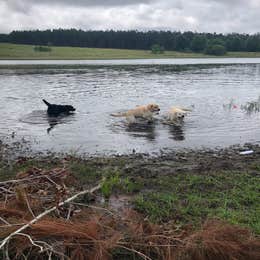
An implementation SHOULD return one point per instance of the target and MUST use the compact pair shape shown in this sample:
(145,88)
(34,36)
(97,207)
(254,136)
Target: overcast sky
(221,16)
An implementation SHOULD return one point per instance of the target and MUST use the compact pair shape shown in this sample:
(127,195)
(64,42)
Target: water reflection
(142,129)
(177,132)
(55,120)
(40,117)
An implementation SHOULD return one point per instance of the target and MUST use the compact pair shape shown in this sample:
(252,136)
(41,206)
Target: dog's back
(55,110)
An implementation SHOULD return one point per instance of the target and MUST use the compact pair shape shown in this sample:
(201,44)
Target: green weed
(187,198)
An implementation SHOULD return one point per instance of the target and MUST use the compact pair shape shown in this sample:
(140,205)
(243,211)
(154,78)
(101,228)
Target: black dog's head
(69,108)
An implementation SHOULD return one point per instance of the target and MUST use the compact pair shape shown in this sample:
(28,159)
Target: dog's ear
(153,107)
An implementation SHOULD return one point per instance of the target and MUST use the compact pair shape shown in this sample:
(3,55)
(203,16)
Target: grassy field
(17,51)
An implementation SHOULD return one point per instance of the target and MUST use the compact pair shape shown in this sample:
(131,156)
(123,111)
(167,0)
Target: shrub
(215,49)
(157,49)
(42,48)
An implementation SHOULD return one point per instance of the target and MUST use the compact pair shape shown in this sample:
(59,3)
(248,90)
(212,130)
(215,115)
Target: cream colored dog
(145,112)
(176,114)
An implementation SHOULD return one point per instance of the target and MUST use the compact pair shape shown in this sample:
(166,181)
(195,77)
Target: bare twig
(69,212)
(136,252)
(21,180)
(31,240)
(47,212)
(49,249)
(29,178)
(7,252)
(28,206)
(93,207)
(11,225)
(6,190)
(3,220)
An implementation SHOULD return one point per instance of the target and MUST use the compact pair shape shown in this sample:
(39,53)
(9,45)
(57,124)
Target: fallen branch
(47,212)
(31,240)
(136,252)
(3,220)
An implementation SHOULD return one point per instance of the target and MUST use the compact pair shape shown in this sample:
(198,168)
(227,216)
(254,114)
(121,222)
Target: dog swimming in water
(176,115)
(145,112)
(55,110)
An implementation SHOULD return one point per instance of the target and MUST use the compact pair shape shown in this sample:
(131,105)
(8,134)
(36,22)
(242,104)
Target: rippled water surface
(99,90)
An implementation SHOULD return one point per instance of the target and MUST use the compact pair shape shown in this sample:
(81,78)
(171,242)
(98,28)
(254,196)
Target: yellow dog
(176,114)
(145,112)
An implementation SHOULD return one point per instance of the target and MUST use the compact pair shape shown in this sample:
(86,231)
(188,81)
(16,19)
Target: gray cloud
(197,15)
(22,5)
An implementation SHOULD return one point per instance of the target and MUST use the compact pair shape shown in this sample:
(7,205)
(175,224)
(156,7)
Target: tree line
(168,40)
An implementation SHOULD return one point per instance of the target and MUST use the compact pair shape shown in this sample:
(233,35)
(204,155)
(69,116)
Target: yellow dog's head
(178,113)
(153,108)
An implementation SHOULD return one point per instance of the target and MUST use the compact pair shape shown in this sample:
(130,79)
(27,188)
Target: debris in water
(231,105)
(253,106)
(246,152)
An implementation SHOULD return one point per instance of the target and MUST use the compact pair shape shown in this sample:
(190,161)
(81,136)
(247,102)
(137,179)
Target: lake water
(99,88)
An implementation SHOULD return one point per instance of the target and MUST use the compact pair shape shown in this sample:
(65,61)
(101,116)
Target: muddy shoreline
(148,165)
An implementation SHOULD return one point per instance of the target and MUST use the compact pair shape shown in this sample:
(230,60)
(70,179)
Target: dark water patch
(40,117)
(73,69)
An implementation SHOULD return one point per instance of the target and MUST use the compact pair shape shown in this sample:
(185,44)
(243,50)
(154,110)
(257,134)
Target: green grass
(186,198)
(18,51)
(113,183)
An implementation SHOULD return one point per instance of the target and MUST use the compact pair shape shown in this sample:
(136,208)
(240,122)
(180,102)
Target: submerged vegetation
(252,106)
(249,107)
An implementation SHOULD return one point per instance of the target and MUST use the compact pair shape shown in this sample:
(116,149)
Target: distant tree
(3,38)
(182,42)
(157,49)
(134,39)
(235,42)
(253,43)
(216,41)
(215,49)
(198,43)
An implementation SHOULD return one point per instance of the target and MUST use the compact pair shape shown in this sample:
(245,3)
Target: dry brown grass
(78,232)
(219,240)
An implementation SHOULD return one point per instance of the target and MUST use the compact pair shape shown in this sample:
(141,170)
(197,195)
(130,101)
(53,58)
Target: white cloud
(196,15)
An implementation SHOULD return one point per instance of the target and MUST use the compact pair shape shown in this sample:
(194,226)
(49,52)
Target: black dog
(55,110)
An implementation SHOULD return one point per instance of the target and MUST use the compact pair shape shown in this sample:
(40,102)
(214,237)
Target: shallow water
(99,90)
